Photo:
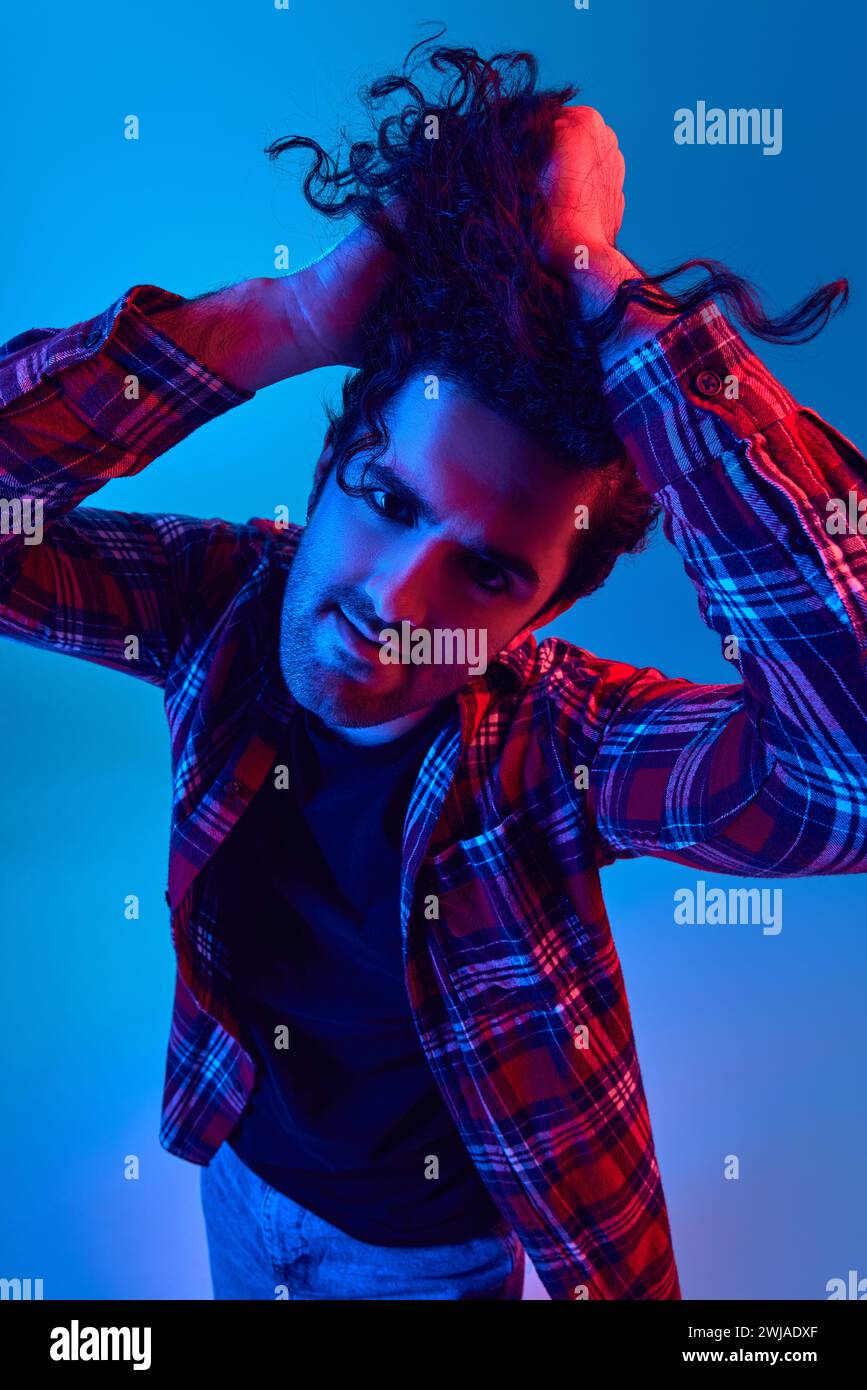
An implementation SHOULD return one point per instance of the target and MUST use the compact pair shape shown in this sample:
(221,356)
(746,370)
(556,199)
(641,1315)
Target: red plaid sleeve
(79,406)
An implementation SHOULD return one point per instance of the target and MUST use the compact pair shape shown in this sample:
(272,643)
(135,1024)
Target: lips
(354,639)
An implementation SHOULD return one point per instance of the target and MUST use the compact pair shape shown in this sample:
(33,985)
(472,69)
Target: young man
(401,1048)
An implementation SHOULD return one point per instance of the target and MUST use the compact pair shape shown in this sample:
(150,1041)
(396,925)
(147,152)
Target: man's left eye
(383,510)
(499,578)
(487,575)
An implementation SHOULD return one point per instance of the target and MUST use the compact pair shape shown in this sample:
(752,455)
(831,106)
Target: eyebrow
(382,473)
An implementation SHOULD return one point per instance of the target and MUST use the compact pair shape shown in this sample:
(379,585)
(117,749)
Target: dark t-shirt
(346,1117)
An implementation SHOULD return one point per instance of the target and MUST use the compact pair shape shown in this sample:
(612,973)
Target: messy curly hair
(472,302)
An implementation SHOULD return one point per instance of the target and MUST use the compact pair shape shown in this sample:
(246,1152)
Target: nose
(400,585)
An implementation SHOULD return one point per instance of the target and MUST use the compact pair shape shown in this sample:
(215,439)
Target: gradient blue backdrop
(749,1044)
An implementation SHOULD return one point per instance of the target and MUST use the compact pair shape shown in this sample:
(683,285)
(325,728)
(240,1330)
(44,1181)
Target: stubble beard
(330,691)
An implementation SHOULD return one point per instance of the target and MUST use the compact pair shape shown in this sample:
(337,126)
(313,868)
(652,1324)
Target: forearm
(252,334)
(104,397)
(765,776)
(99,400)
(260,331)
(745,476)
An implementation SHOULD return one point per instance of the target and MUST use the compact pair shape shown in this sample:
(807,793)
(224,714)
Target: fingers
(591,124)
(587,116)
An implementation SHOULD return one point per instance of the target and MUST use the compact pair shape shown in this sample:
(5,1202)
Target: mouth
(352,638)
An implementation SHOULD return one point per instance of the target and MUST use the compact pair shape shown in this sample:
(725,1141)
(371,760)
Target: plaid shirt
(762,777)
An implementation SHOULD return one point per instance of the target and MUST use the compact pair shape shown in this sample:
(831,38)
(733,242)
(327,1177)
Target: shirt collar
(516,659)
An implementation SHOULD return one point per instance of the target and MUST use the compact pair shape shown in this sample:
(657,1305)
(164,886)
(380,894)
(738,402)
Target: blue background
(749,1044)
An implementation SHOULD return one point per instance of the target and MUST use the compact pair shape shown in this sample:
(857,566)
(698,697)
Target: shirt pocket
(505,936)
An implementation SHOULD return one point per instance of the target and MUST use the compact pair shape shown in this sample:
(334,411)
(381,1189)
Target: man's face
(467,523)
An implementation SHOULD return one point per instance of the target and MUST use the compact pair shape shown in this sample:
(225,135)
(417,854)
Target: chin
(339,700)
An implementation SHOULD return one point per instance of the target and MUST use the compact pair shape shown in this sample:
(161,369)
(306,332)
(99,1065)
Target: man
(401,1048)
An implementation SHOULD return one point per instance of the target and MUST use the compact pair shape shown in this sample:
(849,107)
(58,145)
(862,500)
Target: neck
(372,734)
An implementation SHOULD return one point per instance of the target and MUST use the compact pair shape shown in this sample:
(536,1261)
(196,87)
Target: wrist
(335,293)
(597,285)
(305,327)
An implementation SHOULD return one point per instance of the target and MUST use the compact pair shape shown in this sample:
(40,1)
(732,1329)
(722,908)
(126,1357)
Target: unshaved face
(466,523)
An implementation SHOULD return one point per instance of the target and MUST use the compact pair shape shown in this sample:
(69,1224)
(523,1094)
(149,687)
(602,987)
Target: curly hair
(471,299)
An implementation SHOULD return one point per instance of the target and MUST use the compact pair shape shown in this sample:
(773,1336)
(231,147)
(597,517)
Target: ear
(322,464)
(324,458)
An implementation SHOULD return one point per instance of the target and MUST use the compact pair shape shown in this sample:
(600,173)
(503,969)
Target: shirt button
(707,383)
(233,786)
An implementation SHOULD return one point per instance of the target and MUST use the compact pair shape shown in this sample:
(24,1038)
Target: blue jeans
(261,1244)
